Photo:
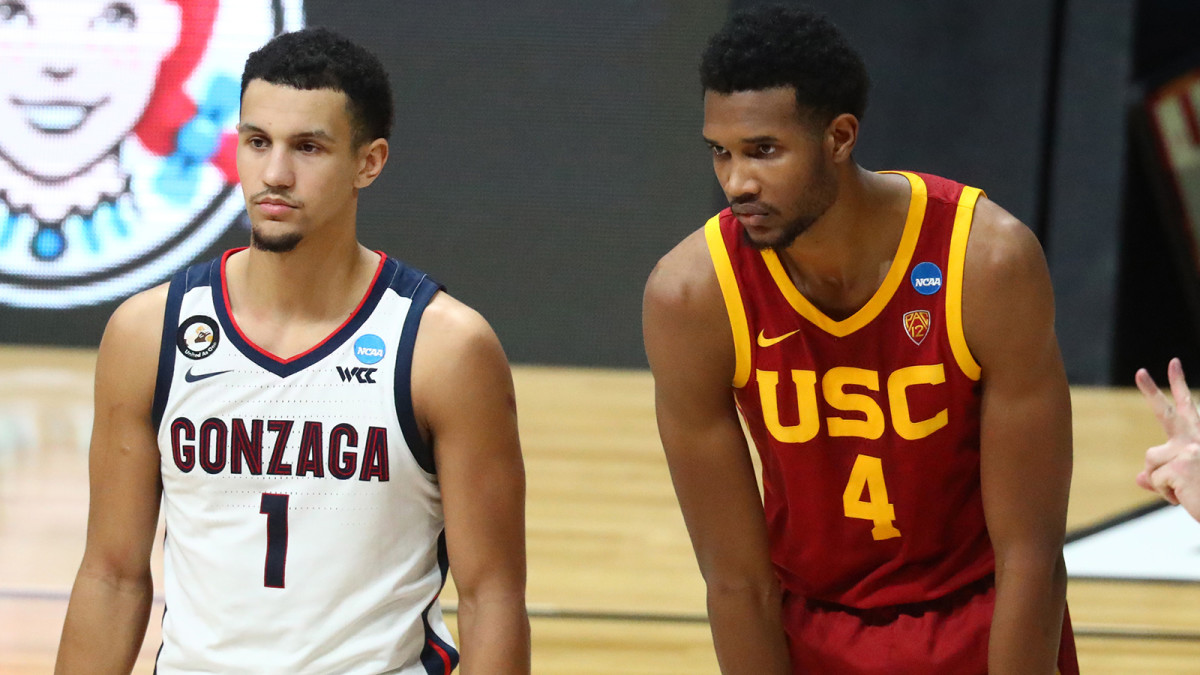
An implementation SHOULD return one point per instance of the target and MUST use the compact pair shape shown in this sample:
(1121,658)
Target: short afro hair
(771,46)
(318,58)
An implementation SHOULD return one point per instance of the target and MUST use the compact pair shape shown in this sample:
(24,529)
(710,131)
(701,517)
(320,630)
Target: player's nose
(741,181)
(279,171)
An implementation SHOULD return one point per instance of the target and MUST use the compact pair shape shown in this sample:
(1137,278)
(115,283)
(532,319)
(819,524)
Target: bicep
(464,394)
(1026,410)
(124,477)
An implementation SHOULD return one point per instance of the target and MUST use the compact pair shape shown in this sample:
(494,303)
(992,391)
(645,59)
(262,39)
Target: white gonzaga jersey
(304,521)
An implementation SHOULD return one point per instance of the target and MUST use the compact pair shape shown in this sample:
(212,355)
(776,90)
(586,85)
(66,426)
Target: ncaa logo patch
(369,349)
(916,324)
(198,337)
(927,278)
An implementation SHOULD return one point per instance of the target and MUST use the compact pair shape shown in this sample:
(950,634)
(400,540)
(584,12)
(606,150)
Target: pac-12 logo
(927,278)
(916,324)
(117,151)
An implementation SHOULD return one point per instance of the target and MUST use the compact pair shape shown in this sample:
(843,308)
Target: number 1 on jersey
(275,508)
(868,474)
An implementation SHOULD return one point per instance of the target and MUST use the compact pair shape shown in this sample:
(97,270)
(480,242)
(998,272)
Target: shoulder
(449,327)
(129,351)
(454,344)
(683,280)
(458,366)
(138,320)
(1001,248)
(1007,298)
(686,326)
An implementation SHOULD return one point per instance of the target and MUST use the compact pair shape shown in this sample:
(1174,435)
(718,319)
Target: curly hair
(771,46)
(318,58)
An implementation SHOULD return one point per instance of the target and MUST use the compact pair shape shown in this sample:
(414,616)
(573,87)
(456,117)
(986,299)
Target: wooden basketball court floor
(613,587)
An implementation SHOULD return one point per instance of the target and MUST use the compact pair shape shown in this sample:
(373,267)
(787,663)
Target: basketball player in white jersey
(327,429)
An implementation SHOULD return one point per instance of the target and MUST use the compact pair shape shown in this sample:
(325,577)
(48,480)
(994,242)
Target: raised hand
(1173,468)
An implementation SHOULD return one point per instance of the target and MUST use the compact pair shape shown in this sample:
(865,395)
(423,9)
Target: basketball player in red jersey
(894,358)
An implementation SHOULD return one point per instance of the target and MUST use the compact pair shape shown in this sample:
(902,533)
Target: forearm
(747,629)
(1027,620)
(493,632)
(105,624)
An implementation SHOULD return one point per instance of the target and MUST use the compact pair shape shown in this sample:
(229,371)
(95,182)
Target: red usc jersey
(868,427)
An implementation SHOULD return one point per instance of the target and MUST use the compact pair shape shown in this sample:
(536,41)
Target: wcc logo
(117,151)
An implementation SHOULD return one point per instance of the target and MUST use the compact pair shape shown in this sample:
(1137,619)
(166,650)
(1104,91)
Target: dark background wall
(546,153)
(1158,311)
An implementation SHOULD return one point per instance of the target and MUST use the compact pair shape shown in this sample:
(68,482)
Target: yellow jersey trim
(954,282)
(895,275)
(733,300)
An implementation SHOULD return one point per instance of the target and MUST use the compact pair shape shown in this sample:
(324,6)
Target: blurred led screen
(117,141)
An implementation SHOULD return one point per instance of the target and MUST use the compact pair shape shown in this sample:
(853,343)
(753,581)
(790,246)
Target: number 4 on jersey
(868,474)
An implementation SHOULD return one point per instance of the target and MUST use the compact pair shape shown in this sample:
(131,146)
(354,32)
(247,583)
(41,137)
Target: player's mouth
(274,207)
(56,117)
(750,215)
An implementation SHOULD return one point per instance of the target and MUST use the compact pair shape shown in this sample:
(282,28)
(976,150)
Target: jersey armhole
(733,300)
(166,349)
(954,282)
(422,294)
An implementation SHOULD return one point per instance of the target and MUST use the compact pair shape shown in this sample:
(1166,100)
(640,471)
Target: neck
(319,280)
(841,260)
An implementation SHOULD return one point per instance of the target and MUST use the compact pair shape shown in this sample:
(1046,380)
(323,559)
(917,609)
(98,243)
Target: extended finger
(1185,408)
(1159,403)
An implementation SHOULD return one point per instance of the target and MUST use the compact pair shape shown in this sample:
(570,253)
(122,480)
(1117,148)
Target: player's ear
(371,159)
(841,135)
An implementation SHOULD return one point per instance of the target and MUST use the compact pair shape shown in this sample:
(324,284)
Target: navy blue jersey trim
(183,281)
(331,344)
(166,349)
(161,641)
(421,289)
(430,658)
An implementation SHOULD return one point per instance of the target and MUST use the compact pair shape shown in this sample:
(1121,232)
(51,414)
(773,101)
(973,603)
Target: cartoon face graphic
(61,106)
(116,139)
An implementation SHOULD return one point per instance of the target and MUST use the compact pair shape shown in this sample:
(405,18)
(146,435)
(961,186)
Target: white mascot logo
(116,139)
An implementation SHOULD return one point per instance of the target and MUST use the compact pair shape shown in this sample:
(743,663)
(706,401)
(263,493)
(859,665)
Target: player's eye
(116,15)
(257,142)
(764,150)
(717,150)
(309,148)
(14,11)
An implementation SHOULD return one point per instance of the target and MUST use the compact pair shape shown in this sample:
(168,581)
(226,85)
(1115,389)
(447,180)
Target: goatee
(274,244)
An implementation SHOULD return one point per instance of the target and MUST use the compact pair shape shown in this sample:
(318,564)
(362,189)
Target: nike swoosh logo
(764,341)
(189,377)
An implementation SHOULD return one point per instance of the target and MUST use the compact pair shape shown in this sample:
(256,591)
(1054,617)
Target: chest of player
(332,421)
(895,377)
